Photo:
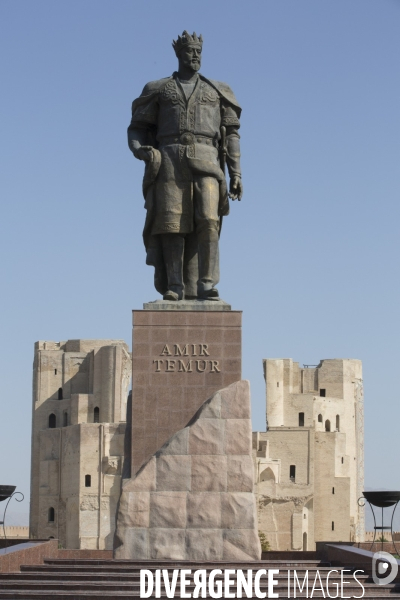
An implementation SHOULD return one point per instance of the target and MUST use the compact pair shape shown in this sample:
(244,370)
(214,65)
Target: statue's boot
(173,246)
(208,251)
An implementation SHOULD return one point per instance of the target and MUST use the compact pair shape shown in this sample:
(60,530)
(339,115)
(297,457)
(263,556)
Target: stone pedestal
(181,356)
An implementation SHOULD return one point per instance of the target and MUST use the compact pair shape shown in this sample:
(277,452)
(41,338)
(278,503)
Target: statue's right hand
(144,153)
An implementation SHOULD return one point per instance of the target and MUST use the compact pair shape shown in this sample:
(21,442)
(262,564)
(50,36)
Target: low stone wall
(79,554)
(15,531)
(349,555)
(289,555)
(6,543)
(377,546)
(369,535)
(26,553)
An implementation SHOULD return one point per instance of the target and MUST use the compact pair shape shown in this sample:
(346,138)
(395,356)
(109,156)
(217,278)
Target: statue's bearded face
(190,56)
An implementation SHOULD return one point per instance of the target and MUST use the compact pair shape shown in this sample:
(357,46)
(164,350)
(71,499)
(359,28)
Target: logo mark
(381,572)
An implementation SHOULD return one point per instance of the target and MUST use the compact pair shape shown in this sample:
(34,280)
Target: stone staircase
(78,579)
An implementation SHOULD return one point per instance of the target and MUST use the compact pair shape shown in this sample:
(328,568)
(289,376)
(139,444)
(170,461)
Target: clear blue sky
(311,254)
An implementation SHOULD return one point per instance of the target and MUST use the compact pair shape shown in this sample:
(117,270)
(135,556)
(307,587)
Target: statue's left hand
(236,188)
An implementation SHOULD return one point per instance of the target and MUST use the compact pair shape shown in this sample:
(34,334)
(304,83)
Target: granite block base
(193,499)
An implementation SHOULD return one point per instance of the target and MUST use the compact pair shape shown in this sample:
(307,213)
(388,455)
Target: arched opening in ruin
(51,514)
(52,421)
(319,418)
(304,541)
(267,475)
(327,425)
(308,524)
(60,394)
(96,415)
(337,423)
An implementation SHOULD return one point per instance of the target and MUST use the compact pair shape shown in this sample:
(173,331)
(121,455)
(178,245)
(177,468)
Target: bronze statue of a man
(185,127)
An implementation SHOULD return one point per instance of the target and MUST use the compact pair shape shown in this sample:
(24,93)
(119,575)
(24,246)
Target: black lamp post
(6,493)
(382,499)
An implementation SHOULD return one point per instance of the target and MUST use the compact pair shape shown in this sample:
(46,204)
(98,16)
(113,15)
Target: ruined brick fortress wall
(80,390)
(309,464)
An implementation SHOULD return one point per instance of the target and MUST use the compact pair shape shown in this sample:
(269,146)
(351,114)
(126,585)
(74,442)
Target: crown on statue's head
(187,40)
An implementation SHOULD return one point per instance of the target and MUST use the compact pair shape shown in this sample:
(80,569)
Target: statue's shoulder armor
(154,86)
(149,93)
(225,91)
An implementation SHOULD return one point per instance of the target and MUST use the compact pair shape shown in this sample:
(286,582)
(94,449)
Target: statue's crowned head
(188,50)
(187,40)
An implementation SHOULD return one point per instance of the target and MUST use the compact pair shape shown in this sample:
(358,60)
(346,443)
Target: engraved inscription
(169,364)
(179,366)
(182,368)
(187,350)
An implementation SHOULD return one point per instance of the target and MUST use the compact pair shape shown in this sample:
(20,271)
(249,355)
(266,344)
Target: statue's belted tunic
(184,187)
